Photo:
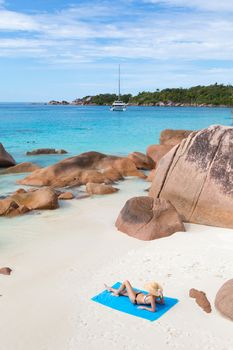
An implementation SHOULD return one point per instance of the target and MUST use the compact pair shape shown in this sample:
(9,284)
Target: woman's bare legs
(125,289)
(112,290)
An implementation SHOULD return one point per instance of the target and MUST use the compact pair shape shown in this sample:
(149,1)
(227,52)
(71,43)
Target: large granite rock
(142,161)
(151,175)
(43,198)
(9,208)
(25,167)
(21,201)
(156,152)
(112,175)
(93,188)
(81,169)
(146,218)
(224,299)
(6,159)
(172,137)
(168,139)
(40,151)
(196,176)
(66,196)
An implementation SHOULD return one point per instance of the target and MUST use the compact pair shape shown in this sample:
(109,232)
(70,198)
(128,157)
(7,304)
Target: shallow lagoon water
(78,129)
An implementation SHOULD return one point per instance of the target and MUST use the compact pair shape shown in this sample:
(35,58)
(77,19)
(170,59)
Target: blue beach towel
(123,304)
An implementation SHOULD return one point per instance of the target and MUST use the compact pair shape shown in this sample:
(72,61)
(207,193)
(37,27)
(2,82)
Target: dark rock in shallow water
(6,160)
(40,151)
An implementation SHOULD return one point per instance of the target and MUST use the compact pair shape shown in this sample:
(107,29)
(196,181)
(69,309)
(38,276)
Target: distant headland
(216,95)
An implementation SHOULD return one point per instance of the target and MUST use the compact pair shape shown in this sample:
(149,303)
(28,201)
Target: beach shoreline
(62,258)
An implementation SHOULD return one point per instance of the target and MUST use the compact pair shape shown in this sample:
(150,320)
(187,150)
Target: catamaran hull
(118,109)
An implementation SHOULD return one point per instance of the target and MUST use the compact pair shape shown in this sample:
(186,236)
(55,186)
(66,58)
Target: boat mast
(119,82)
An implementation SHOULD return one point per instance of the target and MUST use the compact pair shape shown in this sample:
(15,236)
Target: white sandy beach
(61,258)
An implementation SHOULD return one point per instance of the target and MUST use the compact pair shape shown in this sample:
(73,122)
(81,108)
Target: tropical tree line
(217,94)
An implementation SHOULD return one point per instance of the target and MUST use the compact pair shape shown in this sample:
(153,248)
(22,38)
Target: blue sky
(57,49)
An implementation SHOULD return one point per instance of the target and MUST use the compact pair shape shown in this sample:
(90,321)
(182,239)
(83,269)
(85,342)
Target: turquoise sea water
(77,129)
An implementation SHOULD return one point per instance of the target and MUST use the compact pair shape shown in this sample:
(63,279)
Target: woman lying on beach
(154,296)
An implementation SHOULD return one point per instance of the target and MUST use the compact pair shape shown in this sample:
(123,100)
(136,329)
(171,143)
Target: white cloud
(209,5)
(69,36)
(13,21)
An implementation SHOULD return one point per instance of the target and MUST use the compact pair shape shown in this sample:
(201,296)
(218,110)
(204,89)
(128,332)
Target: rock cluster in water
(95,170)
(87,167)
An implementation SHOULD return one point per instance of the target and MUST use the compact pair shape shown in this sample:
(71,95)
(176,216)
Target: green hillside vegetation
(107,99)
(216,95)
(212,94)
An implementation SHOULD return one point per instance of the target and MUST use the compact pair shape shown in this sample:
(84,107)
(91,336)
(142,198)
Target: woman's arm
(152,308)
(146,308)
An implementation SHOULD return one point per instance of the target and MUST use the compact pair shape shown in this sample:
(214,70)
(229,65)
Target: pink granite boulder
(224,299)
(66,196)
(196,176)
(173,137)
(142,161)
(93,188)
(81,169)
(146,218)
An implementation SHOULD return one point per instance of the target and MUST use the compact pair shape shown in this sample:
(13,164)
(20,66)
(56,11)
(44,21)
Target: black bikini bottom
(135,299)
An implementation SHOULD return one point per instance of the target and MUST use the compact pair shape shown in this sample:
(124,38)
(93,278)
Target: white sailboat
(119,105)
